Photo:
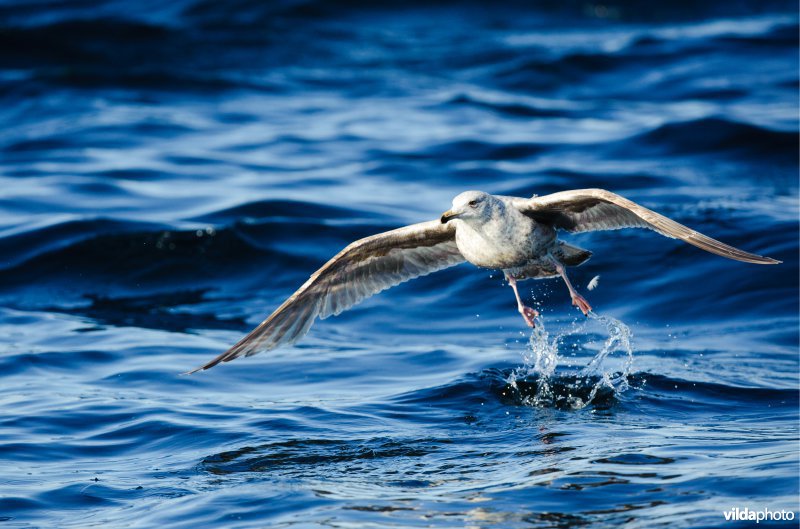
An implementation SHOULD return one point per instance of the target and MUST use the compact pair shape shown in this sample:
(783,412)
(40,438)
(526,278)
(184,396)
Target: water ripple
(171,172)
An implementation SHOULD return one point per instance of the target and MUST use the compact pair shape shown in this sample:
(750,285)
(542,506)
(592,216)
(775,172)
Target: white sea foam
(570,388)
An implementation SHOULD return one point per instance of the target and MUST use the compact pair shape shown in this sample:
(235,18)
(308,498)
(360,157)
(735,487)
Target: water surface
(170,174)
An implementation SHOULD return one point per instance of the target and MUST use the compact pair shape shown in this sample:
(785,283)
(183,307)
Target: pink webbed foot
(580,302)
(528,314)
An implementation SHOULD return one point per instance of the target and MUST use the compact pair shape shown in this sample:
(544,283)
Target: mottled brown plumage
(584,210)
(362,269)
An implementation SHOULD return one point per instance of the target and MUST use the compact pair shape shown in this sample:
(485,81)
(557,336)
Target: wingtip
(224,357)
(209,365)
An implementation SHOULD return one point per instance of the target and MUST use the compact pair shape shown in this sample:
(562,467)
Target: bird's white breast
(505,241)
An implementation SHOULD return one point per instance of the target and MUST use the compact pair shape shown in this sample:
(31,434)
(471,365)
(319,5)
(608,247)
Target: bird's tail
(572,255)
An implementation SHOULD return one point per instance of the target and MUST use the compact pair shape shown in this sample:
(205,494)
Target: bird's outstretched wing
(363,269)
(583,210)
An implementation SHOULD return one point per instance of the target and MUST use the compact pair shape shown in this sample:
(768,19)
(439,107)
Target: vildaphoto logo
(764,515)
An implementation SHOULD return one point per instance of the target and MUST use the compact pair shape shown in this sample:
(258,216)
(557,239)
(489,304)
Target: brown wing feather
(363,269)
(584,210)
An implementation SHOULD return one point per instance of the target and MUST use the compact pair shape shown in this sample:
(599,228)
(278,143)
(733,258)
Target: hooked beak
(449,215)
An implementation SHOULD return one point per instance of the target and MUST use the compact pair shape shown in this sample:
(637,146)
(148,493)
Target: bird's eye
(473,203)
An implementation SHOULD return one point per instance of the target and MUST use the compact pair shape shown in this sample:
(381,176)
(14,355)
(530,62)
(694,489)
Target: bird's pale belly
(501,252)
(496,260)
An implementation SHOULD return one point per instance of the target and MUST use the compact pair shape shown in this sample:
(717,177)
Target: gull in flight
(512,234)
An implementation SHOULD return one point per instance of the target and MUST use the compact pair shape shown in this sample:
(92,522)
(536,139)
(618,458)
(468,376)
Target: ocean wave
(297,211)
(506,108)
(136,256)
(716,135)
(25,244)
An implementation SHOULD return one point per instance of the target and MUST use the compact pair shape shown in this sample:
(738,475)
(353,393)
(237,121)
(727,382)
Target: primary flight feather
(512,234)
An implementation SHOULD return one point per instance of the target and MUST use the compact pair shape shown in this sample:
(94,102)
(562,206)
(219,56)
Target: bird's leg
(528,314)
(577,300)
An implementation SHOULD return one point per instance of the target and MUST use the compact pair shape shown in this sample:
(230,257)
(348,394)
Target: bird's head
(474,207)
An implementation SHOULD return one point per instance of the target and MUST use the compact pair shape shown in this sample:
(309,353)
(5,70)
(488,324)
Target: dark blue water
(171,171)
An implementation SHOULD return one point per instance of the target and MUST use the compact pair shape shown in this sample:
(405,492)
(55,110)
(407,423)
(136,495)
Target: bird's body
(513,242)
(507,240)
(512,234)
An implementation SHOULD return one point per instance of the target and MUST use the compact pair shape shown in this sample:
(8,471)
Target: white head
(473,207)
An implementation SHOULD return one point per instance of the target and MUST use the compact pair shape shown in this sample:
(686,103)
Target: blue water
(171,171)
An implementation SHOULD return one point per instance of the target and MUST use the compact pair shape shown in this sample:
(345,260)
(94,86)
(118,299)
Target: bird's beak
(448,215)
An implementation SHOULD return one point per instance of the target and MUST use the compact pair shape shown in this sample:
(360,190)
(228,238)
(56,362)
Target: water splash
(537,384)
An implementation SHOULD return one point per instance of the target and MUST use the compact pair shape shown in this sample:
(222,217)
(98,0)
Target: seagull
(516,235)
